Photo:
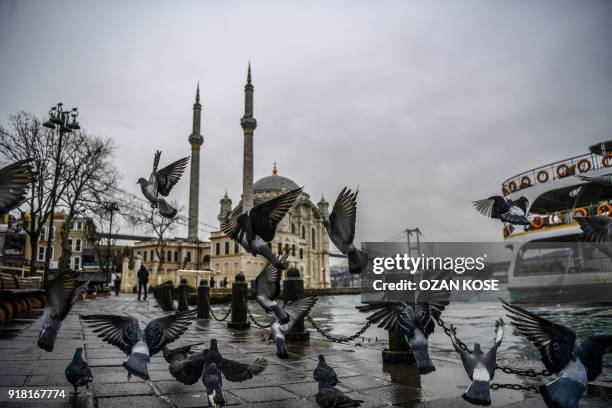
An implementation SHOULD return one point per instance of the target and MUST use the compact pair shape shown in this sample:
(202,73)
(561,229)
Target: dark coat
(143,275)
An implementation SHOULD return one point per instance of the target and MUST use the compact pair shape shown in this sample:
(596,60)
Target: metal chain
(338,339)
(505,369)
(517,387)
(213,313)
(255,322)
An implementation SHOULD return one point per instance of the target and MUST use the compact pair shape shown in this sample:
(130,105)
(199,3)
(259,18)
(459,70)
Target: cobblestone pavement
(285,383)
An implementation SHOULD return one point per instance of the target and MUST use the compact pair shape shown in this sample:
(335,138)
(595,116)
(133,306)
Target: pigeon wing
(343,216)
(14,183)
(297,309)
(156,161)
(120,331)
(236,227)
(555,342)
(165,330)
(390,316)
(268,280)
(426,313)
(468,360)
(60,293)
(596,228)
(591,351)
(266,216)
(236,371)
(491,356)
(188,371)
(492,207)
(522,203)
(170,175)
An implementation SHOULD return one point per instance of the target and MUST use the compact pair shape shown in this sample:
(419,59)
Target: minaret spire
(195,140)
(248,124)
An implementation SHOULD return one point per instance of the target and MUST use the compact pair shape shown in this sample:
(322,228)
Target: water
(475,322)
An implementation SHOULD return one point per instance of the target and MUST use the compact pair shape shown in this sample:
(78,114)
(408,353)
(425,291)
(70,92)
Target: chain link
(517,387)
(335,339)
(505,369)
(256,323)
(213,313)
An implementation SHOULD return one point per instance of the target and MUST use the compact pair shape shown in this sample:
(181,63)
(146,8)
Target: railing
(557,170)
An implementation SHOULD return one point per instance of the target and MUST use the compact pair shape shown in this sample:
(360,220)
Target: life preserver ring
(557,218)
(580,212)
(542,176)
(525,182)
(505,191)
(512,186)
(606,160)
(584,165)
(563,170)
(537,222)
(604,209)
(506,231)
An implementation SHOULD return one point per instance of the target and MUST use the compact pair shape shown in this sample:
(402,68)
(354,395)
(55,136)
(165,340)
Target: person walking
(225,282)
(211,282)
(117,283)
(143,280)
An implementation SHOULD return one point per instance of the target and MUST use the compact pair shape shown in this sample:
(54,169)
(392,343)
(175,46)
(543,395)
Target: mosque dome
(274,182)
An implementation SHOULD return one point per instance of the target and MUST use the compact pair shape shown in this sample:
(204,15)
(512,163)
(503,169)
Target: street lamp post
(64,122)
(112,207)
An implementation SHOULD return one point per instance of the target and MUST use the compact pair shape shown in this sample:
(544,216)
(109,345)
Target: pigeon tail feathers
(165,209)
(562,393)
(478,393)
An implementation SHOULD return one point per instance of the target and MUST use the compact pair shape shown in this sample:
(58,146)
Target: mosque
(301,234)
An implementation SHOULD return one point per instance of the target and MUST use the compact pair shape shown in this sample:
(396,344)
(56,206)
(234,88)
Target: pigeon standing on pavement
(480,367)
(576,364)
(179,353)
(341,229)
(267,286)
(124,332)
(323,372)
(295,309)
(505,209)
(253,231)
(416,323)
(161,182)
(60,294)
(328,396)
(78,372)
(15,180)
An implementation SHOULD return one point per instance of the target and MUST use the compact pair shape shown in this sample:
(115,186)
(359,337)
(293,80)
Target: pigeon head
(477,348)
(141,181)
(321,358)
(47,336)
(77,352)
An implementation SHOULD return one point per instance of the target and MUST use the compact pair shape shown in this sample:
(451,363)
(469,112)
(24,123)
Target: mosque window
(293,228)
(303,232)
(217,248)
(152,257)
(169,256)
(312,232)
(287,249)
(175,256)
(292,250)
(280,248)
(144,258)
(236,249)
(301,253)
(227,248)
(188,257)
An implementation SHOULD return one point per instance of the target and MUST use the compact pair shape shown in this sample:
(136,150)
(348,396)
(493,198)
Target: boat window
(576,196)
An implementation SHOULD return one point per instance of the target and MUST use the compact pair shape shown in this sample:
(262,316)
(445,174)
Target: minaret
(196,140)
(248,124)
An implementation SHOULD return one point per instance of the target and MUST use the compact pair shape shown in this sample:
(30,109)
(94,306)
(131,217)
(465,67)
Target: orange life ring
(606,160)
(557,218)
(542,176)
(505,191)
(563,170)
(525,182)
(537,222)
(512,186)
(604,209)
(506,231)
(580,212)
(584,165)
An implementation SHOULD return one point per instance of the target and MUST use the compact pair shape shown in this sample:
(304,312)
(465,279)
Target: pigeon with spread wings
(341,229)
(267,286)
(295,309)
(575,363)
(161,182)
(60,294)
(505,209)
(125,333)
(15,180)
(254,230)
(179,353)
(480,367)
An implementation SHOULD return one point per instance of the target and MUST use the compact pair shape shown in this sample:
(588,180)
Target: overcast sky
(425,105)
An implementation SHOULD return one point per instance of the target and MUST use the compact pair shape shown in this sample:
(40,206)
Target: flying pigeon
(324,373)
(416,323)
(254,230)
(15,180)
(78,372)
(60,294)
(605,179)
(330,397)
(124,332)
(179,353)
(189,370)
(267,284)
(480,367)
(596,228)
(295,310)
(161,182)
(505,209)
(575,363)
(341,229)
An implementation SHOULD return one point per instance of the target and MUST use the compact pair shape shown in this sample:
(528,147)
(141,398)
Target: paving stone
(264,394)
(118,390)
(199,399)
(134,401)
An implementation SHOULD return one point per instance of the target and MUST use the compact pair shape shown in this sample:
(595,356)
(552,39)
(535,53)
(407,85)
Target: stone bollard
(203,300)
(164,297)
(293,288)
(183,296)
(239,303)
(399,351)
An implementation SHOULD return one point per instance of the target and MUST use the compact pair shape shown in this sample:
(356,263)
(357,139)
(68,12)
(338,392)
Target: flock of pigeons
(576,364)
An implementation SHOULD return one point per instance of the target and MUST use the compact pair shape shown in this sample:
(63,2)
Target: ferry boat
(551,261)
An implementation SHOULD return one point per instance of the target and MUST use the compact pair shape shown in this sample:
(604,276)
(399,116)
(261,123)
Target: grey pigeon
(505,209)
(253,231)
(214,387)
(330,397)
(576,364)
(189,370)
(295,309)
(596,228)
(341,229)
(605,179)
(161,182)
(324,373)
(78,372)
(179,353)
(15,181)
(416,322)
(60,294)
(267,286)
(124,332)
(480,367)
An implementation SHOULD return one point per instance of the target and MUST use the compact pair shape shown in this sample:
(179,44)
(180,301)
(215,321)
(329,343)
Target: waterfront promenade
(285,383)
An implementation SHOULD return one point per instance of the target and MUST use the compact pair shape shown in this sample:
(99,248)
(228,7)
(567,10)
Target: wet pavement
(285,383)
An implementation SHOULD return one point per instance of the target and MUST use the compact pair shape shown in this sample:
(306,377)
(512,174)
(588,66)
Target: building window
(77,225)
(77,245)
(152,256)
(71,244)
(76,263)
(313,238)
(175,256)
(41,253)
(144,258)
(43,234)
(218,248)
(303,232)
(188,258)
(169,256)
(236,248)
(280,248)
(53,234)
(287,249)
(293,228)
(227,248)
(292,250)
(301,253)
